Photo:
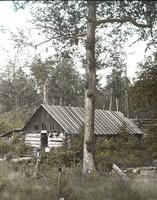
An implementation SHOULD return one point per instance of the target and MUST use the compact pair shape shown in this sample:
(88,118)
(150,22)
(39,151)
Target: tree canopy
(143,90)
(64,84)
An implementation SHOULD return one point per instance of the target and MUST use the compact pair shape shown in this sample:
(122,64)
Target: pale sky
(12,20)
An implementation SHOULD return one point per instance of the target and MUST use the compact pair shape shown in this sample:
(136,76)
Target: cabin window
(43,126)
(52,127)
(36,127)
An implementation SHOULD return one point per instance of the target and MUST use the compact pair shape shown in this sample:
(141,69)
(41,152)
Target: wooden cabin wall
(44,121)
(42,117)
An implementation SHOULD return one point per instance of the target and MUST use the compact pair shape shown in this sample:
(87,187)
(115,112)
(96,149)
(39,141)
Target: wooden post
(38,168)
(59,181)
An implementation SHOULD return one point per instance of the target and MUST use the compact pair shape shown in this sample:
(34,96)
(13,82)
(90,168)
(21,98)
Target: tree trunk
(89,139)
(60,101)
(111,98)
(126,94)
(45,92)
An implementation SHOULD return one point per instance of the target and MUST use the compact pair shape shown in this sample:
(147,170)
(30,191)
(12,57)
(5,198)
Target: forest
(87,36)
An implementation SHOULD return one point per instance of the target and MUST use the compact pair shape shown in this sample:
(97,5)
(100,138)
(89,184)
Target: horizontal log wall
(33,139)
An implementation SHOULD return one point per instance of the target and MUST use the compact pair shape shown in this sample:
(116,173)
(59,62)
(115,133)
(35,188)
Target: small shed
(51,126)
(9,136)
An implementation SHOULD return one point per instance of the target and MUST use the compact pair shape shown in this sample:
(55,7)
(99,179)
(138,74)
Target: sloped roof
(17,130)
(71,119)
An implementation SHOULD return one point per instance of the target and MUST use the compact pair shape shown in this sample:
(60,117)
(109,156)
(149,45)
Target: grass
(18,184)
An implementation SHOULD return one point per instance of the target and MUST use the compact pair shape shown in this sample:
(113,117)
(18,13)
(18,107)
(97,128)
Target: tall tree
(115,81)
(88,157)
(116,89)
(66,85)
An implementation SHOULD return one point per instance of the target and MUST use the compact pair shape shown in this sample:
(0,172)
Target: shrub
(60,157)
(4,148)
(16,148)
(64,156)
(125,150)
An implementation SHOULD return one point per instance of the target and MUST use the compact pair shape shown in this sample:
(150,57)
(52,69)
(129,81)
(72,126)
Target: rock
(136,171)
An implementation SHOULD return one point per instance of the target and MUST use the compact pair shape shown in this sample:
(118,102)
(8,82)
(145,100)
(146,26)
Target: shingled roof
(71,119)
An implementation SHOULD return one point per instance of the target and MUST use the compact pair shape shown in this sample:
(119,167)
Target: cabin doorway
(43,139)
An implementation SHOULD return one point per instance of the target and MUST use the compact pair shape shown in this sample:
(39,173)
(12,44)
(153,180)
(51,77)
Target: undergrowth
(16,184)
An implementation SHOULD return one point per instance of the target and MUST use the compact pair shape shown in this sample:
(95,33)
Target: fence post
(59,183)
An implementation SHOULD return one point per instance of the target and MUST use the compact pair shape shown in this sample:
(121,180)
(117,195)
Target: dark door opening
(44,140)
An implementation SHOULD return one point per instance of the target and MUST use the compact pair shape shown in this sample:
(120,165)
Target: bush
(15,149)
(4,148)
(60,157)
(125,150)
(64,156)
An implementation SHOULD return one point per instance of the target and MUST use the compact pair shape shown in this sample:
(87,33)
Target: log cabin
(52,126)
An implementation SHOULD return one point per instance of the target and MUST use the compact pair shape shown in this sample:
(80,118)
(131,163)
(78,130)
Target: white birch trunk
(89,139)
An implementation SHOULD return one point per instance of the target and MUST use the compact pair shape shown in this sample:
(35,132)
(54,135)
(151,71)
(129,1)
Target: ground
(17,182)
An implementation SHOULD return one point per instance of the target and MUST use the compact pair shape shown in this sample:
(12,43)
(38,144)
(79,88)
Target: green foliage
(4,125)
(64,20)
(64,156)
(14,148)
(143,92)
(14,119)
(20,149)
(42,70)
(64,86)
(17,89)
(60,157)
(77,146)
(125,150)
(150,142)
(4,148)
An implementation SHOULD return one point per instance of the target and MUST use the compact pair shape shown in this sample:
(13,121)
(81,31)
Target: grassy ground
(18,183)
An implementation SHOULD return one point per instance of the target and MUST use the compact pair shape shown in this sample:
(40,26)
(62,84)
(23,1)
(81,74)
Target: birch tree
(88,157)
